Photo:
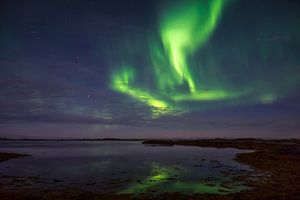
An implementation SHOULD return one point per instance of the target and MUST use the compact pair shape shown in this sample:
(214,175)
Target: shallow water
(124,167)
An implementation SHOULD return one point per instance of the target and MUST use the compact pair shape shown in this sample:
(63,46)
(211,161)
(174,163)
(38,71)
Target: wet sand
(278,159)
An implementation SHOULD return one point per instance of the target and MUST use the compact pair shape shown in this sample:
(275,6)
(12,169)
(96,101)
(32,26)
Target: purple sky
(56,58)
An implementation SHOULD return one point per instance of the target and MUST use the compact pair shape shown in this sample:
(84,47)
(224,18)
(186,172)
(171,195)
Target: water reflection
(126,167)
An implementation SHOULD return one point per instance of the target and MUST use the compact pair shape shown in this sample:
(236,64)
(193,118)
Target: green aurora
(183,70)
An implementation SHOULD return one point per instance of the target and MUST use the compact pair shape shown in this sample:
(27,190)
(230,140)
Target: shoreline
(279,158)
(7,156)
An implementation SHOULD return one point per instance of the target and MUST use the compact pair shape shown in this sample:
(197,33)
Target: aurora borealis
(184,28)
(196,68)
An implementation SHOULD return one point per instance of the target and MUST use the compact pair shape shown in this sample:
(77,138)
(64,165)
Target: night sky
(149,69)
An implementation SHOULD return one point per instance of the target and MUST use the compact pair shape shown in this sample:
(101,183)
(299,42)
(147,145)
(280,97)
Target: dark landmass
(280,159)
(7,156)
(245,143)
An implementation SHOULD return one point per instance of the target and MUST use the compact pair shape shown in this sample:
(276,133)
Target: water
(124,167)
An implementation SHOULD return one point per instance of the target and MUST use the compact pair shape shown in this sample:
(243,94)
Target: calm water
(124,167)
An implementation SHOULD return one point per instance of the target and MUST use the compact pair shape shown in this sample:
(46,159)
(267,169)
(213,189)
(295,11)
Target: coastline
(279,158)
(8,156)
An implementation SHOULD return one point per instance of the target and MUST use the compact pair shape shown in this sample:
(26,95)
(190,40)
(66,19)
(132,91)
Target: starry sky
(149,69)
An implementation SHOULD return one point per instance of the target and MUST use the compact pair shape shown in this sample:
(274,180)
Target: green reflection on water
(166,179)
(158,176)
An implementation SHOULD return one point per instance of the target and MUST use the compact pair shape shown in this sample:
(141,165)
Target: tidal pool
(124,167)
